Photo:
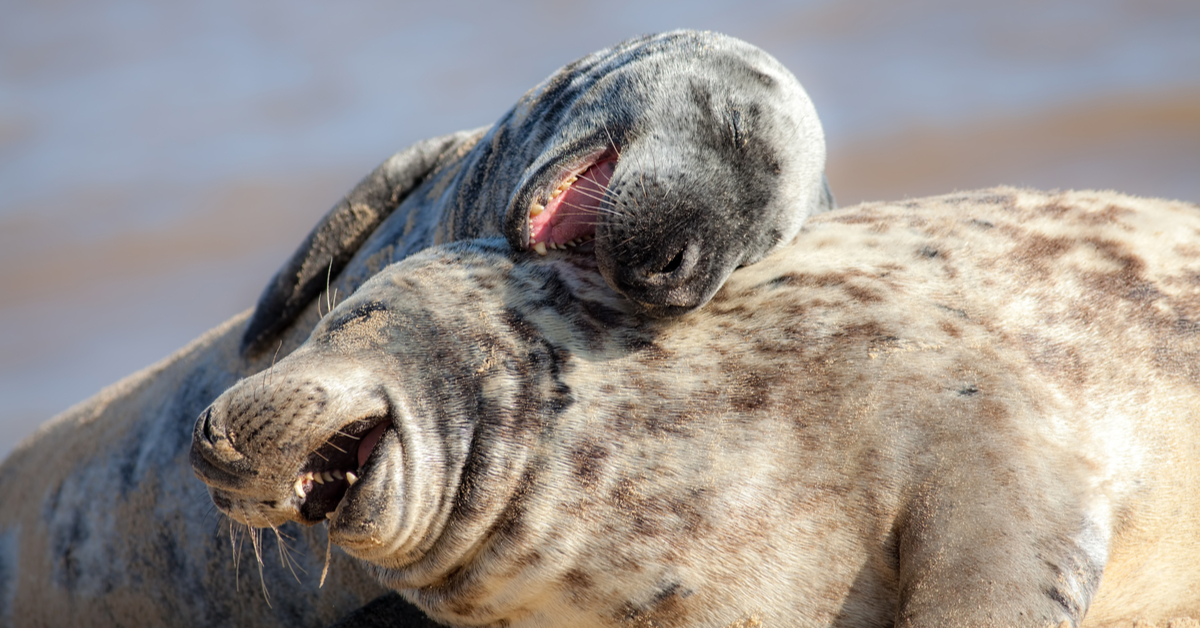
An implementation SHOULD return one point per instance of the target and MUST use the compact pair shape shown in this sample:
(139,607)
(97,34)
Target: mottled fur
(980,409)
(101,520)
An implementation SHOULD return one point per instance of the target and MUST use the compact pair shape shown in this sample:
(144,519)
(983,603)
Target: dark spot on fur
(588,460)
(750,392)
(997,199)
(982,224)
(528,559)
(968,390)
(950,329)
(862,294)
(665,608)
(928,252)
(1054,209)
(577,581)
(957,312)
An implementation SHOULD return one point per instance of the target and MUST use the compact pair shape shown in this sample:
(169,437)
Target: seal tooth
(338,475)
(351,478)
(299,486)
(329,515)
(537,209)
(328,476)
(316,477)
(573,243)
(540,247)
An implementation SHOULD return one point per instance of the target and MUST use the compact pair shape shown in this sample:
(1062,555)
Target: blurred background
(159,161)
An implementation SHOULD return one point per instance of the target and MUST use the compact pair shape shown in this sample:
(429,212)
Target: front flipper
(994,542)
(332,243)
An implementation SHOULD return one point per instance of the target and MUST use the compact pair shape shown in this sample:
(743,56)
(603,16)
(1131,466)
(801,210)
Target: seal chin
(371,521)
(566,215)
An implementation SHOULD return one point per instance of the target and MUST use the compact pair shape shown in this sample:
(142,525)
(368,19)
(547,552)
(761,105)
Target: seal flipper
(1021,543)
(336,238)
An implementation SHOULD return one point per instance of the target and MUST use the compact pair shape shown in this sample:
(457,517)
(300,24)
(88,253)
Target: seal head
(685,155)
(673,158)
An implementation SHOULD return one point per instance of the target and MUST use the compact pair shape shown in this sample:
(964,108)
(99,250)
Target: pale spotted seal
(978,410)
(101,520)
(682,156)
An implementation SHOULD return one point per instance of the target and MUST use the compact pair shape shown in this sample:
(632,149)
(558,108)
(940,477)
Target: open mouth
(568,217)
(333,468)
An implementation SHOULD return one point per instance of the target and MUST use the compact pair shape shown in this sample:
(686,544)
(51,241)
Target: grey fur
(106,524)
(965,410)
(721,158)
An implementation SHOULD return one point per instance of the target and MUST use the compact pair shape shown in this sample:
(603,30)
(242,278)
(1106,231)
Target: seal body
(980,409)
(672,158)
(102,521)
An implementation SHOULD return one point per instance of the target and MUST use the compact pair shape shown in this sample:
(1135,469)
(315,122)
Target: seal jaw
(564,213)
(334,468)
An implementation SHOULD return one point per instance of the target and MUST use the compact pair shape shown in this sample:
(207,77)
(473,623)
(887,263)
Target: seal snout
(665,281)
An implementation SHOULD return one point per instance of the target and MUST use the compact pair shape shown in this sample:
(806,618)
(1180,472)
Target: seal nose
(205,428)
(214,460)
(666,288)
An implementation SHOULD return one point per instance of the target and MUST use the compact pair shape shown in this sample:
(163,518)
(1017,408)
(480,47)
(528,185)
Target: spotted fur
(719,156)
(101,520)
(978,409)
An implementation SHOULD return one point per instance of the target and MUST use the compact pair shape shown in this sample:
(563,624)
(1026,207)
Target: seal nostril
(674,264)
(207,428)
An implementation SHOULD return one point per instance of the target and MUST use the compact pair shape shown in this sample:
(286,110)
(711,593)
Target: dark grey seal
(674,158)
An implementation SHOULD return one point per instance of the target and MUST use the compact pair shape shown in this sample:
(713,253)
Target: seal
(102,521)
(674,158)
(978,409)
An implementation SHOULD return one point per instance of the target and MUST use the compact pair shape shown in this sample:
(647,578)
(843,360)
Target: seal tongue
(572,214)
(368,442)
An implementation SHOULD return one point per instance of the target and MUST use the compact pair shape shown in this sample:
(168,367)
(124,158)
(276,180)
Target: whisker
(583,209)
(612,142)
(256,540)
(592,194)
(328,554)
(272,372)
(328,274)
(284,556)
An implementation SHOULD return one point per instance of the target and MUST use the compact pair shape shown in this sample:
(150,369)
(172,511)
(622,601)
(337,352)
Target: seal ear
(337,237)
